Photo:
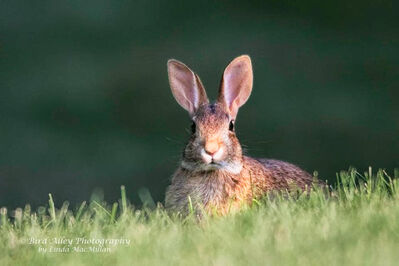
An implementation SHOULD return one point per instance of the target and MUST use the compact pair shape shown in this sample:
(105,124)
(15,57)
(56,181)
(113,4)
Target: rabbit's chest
(208,190)
(211,191)
(217,193)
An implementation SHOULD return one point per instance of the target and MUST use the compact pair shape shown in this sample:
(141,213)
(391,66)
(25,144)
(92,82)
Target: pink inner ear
(233,81)
(185,85)
(237,84)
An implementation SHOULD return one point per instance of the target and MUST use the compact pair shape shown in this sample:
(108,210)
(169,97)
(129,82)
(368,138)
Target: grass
(357,225)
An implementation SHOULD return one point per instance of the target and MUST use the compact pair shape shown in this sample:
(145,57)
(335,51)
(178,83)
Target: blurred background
(85,103)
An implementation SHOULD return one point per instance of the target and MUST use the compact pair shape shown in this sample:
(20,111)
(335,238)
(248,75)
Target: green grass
(357,225)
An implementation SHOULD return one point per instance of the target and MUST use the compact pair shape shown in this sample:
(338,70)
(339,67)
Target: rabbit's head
(213,144)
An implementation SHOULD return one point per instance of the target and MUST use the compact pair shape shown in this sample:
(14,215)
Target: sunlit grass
(356,224)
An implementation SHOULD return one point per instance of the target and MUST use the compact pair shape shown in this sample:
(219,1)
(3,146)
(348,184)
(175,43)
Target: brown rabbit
(214,175)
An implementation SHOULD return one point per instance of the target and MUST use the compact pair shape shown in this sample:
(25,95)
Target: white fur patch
(233,168)
(218,155)
(206,157)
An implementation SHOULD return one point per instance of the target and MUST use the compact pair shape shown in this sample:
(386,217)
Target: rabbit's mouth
(202,166)
(231,167)
(215,164)
(212,166)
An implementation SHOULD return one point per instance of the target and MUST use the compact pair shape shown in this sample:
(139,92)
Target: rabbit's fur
(214,175)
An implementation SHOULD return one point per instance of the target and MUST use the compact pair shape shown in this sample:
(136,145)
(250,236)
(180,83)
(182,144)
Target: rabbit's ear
(236,85)
(186,86)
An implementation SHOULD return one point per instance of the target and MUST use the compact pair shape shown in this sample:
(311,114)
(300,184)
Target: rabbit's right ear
(236,85)
(186,86)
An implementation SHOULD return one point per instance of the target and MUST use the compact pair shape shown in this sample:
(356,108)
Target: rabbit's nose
(211,147)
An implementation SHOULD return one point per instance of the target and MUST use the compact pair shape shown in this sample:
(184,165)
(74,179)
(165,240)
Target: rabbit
(214,176)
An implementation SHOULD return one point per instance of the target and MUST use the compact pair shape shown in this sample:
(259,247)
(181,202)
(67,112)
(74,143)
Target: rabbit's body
(220,191)
(214,174)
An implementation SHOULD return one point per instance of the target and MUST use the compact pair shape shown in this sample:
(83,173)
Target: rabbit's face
(213,144)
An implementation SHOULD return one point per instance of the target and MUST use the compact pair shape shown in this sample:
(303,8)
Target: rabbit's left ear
(236,85)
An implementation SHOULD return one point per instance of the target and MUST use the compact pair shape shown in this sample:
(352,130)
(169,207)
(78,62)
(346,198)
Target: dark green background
(85,102)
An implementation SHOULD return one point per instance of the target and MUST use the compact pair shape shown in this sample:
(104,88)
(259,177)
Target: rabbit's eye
(193,127)
(231,125)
